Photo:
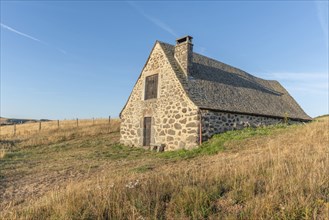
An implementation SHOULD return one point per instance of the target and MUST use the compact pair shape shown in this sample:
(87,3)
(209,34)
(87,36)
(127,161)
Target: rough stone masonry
(196,97)
(174,117)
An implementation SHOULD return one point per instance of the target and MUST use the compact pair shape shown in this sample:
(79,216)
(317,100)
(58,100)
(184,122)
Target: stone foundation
(214,122)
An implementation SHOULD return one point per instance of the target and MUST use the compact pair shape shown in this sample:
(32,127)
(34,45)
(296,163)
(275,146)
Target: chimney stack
(184,53)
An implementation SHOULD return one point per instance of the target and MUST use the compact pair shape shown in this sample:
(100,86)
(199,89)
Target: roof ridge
(241,75)
(235,68)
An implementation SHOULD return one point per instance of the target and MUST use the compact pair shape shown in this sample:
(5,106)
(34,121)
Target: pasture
(276,172)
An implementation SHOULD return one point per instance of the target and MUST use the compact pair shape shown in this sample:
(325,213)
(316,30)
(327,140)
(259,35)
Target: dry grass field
(278,172)
(28,129)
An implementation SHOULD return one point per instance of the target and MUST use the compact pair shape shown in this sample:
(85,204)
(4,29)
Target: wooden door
(147,131)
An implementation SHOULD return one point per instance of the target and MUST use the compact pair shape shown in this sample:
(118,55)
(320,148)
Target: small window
(151,87)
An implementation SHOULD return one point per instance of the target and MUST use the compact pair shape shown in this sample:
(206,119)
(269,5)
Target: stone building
(182,98)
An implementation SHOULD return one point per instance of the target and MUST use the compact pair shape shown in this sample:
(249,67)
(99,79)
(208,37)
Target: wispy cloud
(20,33)
(29,36)
(299,76)
(154,20)
(61,50)
(322,14)
(310,83)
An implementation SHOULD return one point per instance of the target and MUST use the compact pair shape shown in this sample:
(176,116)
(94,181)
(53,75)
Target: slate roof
(217,86)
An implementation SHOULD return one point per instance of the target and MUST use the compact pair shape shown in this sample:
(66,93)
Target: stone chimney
(184,53)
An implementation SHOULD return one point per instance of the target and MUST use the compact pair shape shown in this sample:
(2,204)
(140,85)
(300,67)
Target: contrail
(322,13)
(155,21)
(20,33)
(28,36)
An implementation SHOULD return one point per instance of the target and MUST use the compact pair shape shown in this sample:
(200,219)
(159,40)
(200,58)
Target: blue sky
(62,60)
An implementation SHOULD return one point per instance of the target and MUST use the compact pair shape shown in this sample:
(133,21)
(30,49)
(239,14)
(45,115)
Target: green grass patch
(217,143)
(143,168)
(16,155)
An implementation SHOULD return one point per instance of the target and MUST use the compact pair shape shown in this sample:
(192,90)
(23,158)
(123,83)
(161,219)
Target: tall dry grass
(282,176)
(27,129)
(28,137)
(2,153)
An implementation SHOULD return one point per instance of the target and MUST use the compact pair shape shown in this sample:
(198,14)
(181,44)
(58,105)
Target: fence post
(77,122)
(14,129)
(39,126)
(93,121)
(57,124)
(110,124)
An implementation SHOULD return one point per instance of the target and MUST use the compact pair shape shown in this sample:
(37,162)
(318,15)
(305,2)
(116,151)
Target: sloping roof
(218,86)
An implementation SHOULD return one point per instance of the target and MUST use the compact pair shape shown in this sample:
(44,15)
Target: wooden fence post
(39,126)
(93,121)
(14,129)
(110,124)
(77,122)
(57,124)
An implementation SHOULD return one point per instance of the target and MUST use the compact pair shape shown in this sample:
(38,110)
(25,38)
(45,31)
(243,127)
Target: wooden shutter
(147,131)
(151,87)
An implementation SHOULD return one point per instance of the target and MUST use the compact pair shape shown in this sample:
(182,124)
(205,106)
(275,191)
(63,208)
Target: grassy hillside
(83,173)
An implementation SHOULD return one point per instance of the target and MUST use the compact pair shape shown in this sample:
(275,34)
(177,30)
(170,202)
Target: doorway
(147,131)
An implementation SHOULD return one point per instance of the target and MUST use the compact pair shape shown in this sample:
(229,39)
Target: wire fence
(41,126)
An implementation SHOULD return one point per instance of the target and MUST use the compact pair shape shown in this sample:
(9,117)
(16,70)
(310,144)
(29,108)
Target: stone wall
(214,122)
(175,121)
